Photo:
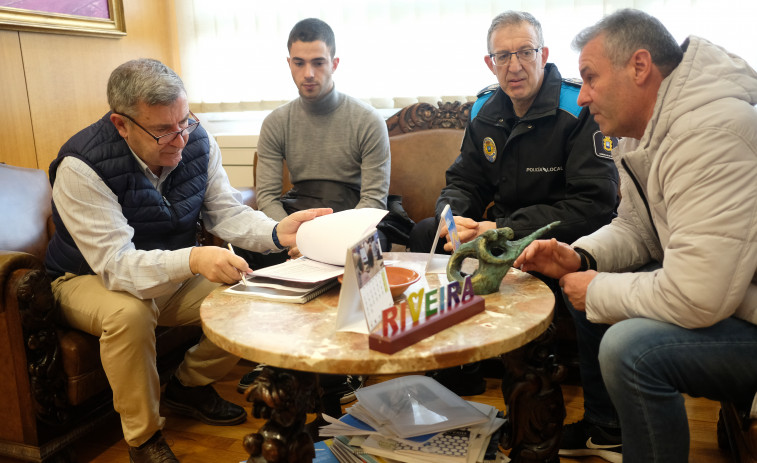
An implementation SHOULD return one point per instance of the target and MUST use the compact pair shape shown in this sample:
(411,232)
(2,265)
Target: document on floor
(461,445)
(413,405)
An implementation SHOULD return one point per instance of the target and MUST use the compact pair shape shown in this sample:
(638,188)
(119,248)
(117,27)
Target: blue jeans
(646,365)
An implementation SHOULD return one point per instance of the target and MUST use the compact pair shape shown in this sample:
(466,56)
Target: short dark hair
(628,30)
(513,18)
(310,30)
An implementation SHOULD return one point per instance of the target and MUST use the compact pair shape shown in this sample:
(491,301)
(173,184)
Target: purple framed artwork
(79,17)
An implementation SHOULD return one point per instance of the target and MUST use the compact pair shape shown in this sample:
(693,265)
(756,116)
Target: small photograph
(367,259)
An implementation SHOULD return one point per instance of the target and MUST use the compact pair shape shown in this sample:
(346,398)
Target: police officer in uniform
(530,155)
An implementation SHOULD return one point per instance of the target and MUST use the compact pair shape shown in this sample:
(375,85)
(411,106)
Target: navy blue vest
(167,221)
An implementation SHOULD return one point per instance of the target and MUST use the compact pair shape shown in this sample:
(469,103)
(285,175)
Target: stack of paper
(415,419)
(339,450)
(277,290)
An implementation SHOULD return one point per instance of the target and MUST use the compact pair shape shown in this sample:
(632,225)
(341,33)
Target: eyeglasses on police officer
(526,55)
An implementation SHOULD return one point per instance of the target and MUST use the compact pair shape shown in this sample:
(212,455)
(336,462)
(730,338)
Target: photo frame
(103,18)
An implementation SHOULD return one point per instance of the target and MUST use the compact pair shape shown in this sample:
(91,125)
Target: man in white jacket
(665,296)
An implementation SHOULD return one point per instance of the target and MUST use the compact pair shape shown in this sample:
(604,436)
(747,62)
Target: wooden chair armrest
(11,262)
(29,315)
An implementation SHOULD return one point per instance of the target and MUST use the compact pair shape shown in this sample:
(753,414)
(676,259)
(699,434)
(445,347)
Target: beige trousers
(126,328)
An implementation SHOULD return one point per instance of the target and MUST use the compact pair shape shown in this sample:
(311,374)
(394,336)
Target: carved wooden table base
(535,407)
(532,429)
(284,397)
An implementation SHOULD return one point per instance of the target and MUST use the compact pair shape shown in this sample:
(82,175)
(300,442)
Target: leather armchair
(53,386)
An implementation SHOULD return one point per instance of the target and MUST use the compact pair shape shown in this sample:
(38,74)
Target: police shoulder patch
(603,145)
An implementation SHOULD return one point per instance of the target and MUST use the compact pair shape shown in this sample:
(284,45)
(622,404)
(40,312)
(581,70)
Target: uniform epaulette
(569,90)
(573,81)
(488,89)
(481,97)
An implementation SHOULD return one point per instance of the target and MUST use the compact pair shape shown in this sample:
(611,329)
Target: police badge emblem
(603,145)
(490,149)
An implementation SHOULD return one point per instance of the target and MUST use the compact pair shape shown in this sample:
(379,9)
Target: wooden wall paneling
(67,75)
(66,85)
(16,137)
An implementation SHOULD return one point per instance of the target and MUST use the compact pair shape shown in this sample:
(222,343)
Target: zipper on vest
(174,217)
(642,196)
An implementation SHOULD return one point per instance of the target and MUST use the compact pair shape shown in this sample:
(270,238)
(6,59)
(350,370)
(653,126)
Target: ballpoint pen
(244,279)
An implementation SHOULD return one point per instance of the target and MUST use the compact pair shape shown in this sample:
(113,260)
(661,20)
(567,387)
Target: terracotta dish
(400,279)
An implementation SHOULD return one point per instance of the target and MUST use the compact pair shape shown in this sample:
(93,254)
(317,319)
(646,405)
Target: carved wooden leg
(284,397)
(535,407)
(36,306)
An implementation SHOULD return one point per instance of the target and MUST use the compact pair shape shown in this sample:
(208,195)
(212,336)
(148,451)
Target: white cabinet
(238,158)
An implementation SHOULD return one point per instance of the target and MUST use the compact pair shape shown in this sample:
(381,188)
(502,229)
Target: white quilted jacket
(694,172)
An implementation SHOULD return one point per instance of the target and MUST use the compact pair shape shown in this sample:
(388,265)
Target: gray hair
(628,30)
(142,80)
(513,18)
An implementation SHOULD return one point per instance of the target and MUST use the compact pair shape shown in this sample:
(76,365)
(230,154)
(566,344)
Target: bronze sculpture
(495,253)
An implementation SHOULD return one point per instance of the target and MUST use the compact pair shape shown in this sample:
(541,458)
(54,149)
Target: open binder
(274,290)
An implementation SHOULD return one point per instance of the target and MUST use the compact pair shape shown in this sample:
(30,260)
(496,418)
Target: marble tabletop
(304,337)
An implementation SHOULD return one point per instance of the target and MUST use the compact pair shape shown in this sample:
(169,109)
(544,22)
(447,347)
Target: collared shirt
(93,217)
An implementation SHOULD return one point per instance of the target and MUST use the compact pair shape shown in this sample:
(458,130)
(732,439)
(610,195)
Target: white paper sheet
(326,238)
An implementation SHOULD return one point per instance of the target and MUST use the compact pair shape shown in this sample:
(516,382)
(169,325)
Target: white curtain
(394,52)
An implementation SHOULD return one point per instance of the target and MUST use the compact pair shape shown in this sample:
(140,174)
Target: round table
(303,337)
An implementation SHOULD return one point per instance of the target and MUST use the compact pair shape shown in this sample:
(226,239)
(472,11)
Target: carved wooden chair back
(424,140)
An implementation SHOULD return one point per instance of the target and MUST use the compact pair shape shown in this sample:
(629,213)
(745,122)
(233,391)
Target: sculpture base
(431,326)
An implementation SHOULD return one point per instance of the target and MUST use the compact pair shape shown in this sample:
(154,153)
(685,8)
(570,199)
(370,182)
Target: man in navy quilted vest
(128,192)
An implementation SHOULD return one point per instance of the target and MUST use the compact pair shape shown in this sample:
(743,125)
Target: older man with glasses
(127,194)
(530,156)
